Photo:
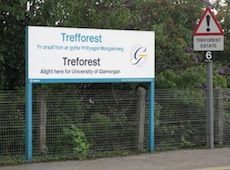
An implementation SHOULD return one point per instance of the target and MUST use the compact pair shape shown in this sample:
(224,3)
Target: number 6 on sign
(208,55)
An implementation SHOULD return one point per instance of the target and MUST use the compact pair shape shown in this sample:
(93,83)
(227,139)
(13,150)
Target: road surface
(203,159)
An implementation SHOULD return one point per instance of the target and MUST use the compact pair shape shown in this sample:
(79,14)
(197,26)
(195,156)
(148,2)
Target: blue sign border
(29,100)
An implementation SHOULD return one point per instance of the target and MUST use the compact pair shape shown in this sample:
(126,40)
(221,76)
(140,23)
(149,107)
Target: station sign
(75,53)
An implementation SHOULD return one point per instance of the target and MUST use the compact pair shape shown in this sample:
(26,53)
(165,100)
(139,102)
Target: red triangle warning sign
(208,24)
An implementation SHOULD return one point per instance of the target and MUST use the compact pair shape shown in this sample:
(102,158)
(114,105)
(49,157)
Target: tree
(173,21)
(11,44)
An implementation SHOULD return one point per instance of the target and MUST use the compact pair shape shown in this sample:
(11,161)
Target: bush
(80,144)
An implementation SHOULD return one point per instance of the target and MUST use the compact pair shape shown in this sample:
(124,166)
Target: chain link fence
(73,123)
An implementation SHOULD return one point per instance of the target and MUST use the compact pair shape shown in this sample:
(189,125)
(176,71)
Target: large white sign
(72,53)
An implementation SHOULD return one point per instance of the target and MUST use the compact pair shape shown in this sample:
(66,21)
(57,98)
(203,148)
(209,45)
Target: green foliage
(68,108)
(11,160)
(220,81)
(12,122)
(178,121)
(11,44)
(101,122)
(100,126)
(170,20)
(80,144)
(188,78)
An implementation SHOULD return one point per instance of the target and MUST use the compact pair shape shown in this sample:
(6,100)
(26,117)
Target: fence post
(29,134)
(43,110)
(220,111)
(141,94)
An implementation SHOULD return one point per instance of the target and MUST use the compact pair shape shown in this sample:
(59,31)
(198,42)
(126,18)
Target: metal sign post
(210,120)
(209,36)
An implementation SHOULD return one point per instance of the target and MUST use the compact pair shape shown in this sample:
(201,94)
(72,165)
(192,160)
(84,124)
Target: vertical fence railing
(109,121)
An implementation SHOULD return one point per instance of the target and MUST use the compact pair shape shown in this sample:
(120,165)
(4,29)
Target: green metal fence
(82,124)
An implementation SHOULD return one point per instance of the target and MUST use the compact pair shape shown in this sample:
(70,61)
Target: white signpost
(209,36)
(73,55)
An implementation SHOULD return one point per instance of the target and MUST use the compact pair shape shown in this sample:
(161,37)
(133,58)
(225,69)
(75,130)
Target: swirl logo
(139,56)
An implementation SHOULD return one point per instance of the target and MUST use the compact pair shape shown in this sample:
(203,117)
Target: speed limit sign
(208,56)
